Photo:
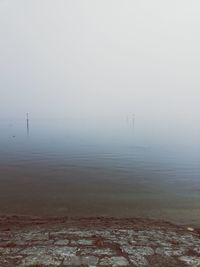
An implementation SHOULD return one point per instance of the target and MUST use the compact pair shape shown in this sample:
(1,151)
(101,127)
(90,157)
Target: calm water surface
(88,167)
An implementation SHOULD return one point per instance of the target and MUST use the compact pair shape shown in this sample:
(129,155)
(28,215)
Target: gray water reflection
(90,167)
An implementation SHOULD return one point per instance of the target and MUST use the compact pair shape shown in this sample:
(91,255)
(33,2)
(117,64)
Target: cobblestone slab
(96,242)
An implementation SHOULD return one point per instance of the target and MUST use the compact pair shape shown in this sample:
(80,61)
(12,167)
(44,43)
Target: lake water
(112,167)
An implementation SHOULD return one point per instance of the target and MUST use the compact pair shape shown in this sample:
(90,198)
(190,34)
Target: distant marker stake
(27,124)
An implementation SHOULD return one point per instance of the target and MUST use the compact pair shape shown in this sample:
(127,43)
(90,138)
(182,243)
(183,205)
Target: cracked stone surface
(39,242)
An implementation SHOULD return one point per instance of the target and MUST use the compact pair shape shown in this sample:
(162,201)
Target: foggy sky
(99,58)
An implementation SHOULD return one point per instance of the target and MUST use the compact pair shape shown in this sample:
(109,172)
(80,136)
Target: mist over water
(89,167)
(100,58)
(112,92)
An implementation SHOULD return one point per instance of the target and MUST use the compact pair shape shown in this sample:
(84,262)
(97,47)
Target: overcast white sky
(100,57)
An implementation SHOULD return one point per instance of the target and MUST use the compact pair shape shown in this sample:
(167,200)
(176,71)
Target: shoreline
(27,219)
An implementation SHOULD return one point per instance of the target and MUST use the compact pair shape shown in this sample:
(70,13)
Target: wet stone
(34,250)
(106,234)
(58,234)
(191,261)
(40,243)
(62,242)
(99,252)
(168,251)
(32,236)
(62,252)
(114,261)
(161,243)
(44,260)
(10,260)
(80,260)
(138,260)
(80,234)
(135,250)
(125,242)
(9,251)
(84,242)
(189,239)
(197,250)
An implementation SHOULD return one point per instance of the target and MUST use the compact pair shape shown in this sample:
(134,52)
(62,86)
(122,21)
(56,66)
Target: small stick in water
(133,120)
(27,124)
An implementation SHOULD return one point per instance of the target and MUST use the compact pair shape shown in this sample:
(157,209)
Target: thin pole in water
(27,124)
(133,120)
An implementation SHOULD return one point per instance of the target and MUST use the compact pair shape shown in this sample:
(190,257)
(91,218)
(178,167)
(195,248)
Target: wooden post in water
(27,124)
(133,120)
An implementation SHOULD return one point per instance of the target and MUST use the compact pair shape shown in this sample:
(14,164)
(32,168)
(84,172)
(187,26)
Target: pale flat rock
(32,236)
(84,242)
(138,260)
(170,251)
(114,261)
(80,260)
(61,242)
(191,260)
(45,260)
(63,252)
(8,251)
(36,250)
(135,250)
(82,234)
(197,250)
(99,252)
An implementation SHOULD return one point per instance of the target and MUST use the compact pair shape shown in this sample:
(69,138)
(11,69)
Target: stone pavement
(96,242)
